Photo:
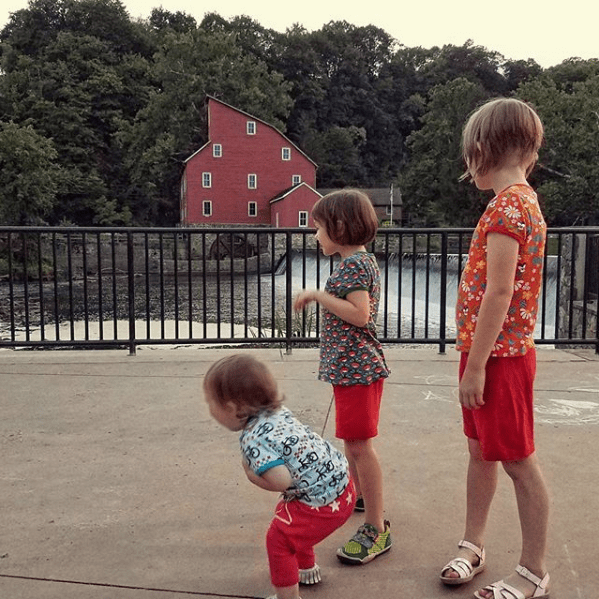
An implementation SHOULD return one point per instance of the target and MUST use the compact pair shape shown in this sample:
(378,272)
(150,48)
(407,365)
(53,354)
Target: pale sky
(518,29)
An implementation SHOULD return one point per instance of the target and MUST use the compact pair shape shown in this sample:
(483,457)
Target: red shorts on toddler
(357,409)
(296,528)
(504,425)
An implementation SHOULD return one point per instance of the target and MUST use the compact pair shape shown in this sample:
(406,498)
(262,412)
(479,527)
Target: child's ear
(236,410)
(531,161)
(230,407)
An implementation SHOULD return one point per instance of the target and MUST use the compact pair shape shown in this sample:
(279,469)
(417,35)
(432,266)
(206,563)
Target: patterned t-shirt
(514,212)
(351,355)
(319,471)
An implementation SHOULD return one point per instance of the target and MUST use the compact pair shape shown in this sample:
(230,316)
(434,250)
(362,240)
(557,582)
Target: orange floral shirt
(515,212)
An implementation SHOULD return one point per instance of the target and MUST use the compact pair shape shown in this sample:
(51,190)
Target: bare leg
(369,477)
(480,490)
(353,472)
(533,510)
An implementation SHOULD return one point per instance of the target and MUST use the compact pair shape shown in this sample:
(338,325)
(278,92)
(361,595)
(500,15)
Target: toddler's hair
(498,128)
(347,216)
(245,381)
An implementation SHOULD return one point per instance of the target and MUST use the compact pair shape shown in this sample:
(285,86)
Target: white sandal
(310,575)
(463,567)
(502,590)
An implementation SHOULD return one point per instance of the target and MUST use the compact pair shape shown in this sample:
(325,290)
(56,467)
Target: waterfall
(411,291)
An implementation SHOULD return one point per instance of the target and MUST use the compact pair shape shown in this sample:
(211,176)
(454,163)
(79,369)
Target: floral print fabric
(514,212)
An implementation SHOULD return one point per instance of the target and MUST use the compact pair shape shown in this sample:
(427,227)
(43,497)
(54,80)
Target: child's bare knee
(475,450)
(358,447)
(520,469)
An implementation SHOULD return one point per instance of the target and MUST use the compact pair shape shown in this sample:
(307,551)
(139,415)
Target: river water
(411,293)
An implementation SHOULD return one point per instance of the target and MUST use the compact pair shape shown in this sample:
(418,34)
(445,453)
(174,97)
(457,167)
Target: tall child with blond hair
(496,315)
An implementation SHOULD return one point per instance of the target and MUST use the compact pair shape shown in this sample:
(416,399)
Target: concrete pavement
(116,483)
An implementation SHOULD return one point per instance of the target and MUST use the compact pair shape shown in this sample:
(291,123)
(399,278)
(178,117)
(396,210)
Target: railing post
(288,293)
(443,294)
(131,291)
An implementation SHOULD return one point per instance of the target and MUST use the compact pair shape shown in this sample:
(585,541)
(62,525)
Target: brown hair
(348,217)
(245,381)
(498,128)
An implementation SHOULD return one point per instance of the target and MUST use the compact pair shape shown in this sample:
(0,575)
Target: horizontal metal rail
(127,287)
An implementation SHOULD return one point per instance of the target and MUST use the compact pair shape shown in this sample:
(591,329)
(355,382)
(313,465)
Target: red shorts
(504,426)
(357,409)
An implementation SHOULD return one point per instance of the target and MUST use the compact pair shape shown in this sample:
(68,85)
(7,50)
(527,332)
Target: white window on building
(207,208)
(286,153)
(296,179)
(303,218)
(217,150)
(206,179)
(251,127)
(252,181)
(252,209)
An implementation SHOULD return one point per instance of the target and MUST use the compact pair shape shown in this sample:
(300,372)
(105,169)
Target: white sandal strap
(461,565)
(532,577)
(480,553)
(500,590)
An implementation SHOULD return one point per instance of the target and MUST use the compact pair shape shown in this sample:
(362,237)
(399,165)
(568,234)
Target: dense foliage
(98,112)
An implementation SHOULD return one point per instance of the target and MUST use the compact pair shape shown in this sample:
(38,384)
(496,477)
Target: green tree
(520,71)
(75,69)
(474,63)
(431,191)
(29,175)
(337,153)
(335,75)
(567,178)
(162,20)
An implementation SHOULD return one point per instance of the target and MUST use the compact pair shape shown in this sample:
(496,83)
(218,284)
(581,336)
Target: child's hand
(471,388)
(303,298)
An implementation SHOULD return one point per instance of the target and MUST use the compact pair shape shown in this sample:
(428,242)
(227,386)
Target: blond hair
(244,381)
(501,127)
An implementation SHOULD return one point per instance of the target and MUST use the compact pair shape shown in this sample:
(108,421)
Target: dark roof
(379,196)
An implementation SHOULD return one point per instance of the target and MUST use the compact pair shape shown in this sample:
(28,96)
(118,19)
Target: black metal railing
(125,287)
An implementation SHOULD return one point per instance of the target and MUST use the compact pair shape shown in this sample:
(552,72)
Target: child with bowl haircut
(351,357)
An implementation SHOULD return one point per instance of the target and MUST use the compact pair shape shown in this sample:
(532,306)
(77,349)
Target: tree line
(98,111)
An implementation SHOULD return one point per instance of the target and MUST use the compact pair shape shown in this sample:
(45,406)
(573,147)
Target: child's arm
(275,479)
(354,308)
(502,260)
